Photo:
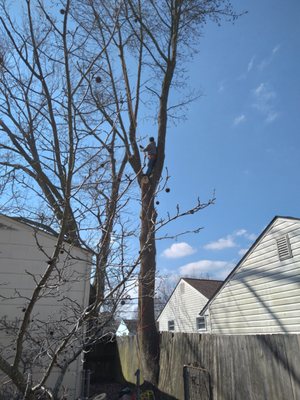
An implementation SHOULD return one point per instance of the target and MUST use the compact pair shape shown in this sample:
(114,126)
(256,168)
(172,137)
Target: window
(171,325)
(200,323)
(284,248)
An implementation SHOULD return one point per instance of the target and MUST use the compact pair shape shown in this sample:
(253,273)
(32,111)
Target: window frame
(203,319)
(171,325)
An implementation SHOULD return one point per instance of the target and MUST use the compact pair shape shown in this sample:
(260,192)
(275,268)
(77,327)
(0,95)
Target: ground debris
(112,390)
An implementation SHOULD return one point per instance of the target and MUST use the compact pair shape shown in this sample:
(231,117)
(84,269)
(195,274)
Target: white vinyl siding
(19,256)
(263,295)
(183,307)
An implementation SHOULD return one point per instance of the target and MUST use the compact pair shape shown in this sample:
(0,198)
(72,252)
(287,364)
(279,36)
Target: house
(25,250)
(262,293)
(181,312)
(127,327)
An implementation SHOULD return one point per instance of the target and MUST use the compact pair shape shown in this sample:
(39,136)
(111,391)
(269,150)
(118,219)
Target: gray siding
(183,307)
(263,295)
(23,260)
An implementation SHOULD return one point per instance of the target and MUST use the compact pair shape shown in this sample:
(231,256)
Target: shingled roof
(207,287)
(131,325)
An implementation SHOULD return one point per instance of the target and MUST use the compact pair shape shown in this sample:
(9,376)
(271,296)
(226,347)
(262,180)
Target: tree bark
(147,332)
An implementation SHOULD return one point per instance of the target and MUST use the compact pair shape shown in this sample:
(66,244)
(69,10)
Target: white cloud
(238,120)
(251,64)
(264,102)
(221,87)
(272,116)
(268,60)
(214,268)
(178,250)
(264,63)
(220,244)
(167,276)
(245,234)
(242,252)
(251,236)
(276,49)
(229,241)
(262,91)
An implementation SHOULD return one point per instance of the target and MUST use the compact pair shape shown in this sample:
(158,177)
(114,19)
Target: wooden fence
(252,367)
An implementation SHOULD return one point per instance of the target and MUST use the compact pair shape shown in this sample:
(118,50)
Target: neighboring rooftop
(33,224)
(37,226)
(131,325)
(233,271)
(207,287)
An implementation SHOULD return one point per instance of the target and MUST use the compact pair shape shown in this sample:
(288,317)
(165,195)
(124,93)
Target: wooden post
(186,383)
(138,375)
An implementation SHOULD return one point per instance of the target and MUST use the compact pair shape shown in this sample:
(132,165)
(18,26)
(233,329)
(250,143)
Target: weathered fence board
(250,367)
(129,357)
(197,384)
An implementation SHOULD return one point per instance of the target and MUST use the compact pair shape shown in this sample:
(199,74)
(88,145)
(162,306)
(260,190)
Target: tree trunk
(147,332)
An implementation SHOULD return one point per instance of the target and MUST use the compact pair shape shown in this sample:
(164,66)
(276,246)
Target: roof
(207,287)
(131,325)
(38,226)
(244,257)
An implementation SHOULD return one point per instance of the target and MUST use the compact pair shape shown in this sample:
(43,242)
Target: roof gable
(131,325)
(207,287)
(246,255)
(12,223)
(16,223)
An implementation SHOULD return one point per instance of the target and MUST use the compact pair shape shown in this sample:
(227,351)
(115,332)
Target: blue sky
(241,139)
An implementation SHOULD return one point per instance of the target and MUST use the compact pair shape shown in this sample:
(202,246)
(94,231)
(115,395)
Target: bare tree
(77,79)
(35,342)
(52,136)
(62,166)
(163,291)
(145,47)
